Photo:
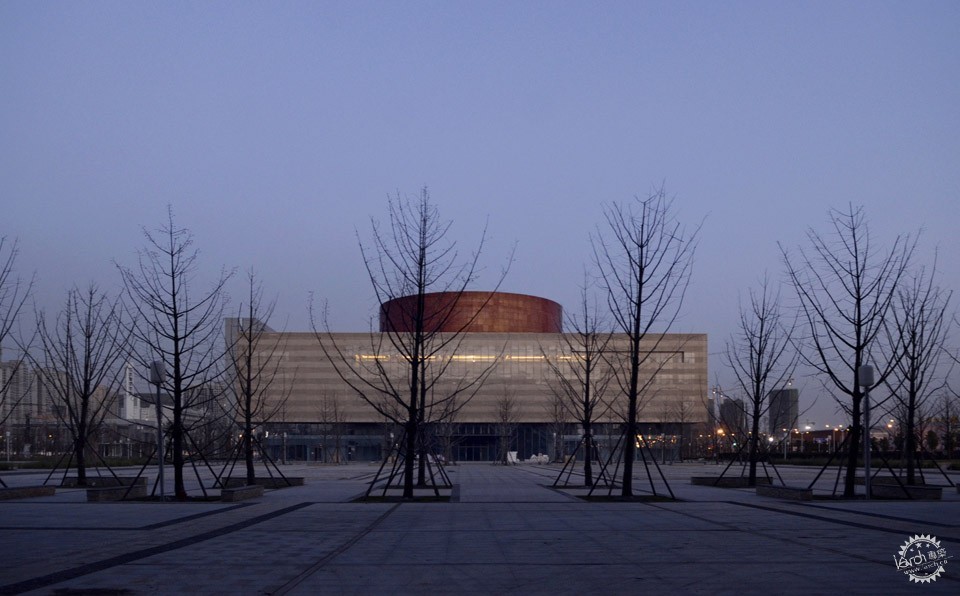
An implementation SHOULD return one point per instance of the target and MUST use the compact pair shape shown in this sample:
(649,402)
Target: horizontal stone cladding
(474,312)
(319,375)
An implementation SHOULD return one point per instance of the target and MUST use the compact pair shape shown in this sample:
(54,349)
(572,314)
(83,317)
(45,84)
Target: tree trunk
(78,450)
(911,443)
(629,449)
(588,457)
(422,468)
(630,433)
(853,448)
(754,445)
(248,447)
(177,435)
(409,453)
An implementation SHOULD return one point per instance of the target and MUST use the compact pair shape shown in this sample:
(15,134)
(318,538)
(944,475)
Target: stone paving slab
(510,532)
(682,577)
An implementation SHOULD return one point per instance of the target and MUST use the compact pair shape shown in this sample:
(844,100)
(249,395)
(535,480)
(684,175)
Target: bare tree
(172,324)
(445,427)
(506,426)
(949,421)
(404,377)
(845,288)
(920,327)
(683,413)
(645,266)
(557,416)
(332,422)
(732,420)
(213,422)
(254,358)
(80,364)
(762,358)
(582,374)
(14,292)
(664,412)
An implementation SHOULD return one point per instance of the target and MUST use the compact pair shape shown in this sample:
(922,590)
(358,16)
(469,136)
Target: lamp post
(865,375)
(158,374)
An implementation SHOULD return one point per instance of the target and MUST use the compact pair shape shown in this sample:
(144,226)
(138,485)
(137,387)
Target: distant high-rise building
(784,409)
(733,416)
(22,395)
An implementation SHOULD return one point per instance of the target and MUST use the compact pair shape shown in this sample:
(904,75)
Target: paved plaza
(505,530)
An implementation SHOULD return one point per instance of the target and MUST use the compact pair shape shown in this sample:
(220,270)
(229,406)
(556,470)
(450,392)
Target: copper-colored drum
(474,312)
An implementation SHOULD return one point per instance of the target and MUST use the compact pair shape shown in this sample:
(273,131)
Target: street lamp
(158,374)
(833,436)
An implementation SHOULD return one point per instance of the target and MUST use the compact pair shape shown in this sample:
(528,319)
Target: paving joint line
(173,522)
(154,526)
(300,578)
(75,572)
(842,522)
(788,540)
(881,516)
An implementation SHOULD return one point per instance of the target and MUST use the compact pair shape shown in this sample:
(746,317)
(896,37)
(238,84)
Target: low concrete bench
(917,492)
(117,493)
(239,493)
(727,481)
(793,493)
(25,492)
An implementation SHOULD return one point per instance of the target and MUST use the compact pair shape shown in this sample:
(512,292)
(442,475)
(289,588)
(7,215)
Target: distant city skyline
(276,131)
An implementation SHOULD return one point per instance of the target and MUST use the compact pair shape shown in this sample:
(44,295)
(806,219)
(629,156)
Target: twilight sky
(276,130)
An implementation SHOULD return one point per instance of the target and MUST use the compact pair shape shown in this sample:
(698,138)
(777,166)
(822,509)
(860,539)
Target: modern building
(492,360)
(28,412)
(733,417)
(784,410)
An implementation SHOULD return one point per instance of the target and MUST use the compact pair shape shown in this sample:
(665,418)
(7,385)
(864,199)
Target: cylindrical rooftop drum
(474,312)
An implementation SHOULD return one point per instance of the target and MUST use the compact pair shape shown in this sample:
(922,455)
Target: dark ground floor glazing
(469,442)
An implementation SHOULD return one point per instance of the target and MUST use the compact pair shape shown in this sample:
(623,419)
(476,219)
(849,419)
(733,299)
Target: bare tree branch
(171,325)
(845,289)
(82,353)
(582,374)
(920,326)
(14,293)
(762,358)
(406,374)
(645,264)
(254,360)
